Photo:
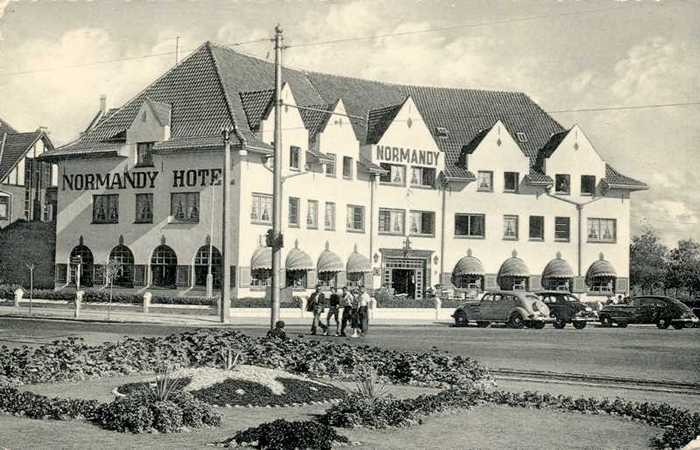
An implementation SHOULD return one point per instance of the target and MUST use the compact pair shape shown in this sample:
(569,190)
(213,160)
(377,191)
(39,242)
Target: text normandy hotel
(385,185)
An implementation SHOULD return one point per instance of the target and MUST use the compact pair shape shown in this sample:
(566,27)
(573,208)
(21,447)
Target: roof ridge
(2,146)
(229,106)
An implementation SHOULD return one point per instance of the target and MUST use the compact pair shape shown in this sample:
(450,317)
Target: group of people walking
(345,307)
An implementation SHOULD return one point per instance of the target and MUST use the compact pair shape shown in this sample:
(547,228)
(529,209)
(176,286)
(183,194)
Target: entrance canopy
(358,263)
(600,269)
(329,262)
(514,267)
(468,265)
(262,259)
(557,268)
(298,259)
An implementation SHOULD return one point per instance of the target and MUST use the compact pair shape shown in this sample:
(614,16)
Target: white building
(385,185)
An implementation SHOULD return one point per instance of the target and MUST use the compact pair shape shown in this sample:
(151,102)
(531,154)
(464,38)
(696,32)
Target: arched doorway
(86,265)
(121,254)
(163,267)
(201,266)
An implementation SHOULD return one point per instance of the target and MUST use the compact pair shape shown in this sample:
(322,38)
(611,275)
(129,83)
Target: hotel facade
(385,185)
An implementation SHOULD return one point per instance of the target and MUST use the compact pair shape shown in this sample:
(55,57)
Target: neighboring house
(27,186)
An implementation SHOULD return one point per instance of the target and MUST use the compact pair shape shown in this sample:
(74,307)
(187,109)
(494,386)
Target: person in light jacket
(363,311)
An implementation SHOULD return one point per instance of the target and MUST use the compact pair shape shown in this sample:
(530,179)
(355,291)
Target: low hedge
(71,359)
(284,435)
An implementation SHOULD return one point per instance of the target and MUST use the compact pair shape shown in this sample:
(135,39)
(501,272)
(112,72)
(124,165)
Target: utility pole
(225,310)
(277,185)
(210,277)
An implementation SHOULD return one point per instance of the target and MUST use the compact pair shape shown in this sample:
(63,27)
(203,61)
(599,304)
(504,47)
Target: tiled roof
(370,167)
(318,157)
(537,178)
(6,127)
(316,117)
(378,121)
(14,149)
(161,110)
(256,106)
(616,180)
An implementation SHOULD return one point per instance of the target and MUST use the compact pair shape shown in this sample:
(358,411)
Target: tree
(684,266)
(647,261)
(113,270)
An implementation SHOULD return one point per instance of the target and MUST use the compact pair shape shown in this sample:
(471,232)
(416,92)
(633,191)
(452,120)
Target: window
(511,181)
(562,229)
(562,184)
(510,228)
(201,266)
(329,221)
(391,221)
(347,167)
(4,207)
(293,212)
(355,279)
(184,207)
(485,181)
(261,278)
(394,174)
(522,137)
(261,209)
(329,279)
(422,223)
(144,154)
(587,184)
(536,228)
(470,225)
(163,267)
(312,214)
(356,218)
(294,158)
(144,208)
(296,279)
(330,166)
(602,230)
(423,176)
(105,208)
(122,257)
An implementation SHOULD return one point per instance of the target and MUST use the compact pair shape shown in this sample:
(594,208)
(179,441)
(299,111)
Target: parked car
(658,309)
(517,309)
(565,307)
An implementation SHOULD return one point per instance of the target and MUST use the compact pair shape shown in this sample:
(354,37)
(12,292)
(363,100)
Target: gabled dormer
(151,123)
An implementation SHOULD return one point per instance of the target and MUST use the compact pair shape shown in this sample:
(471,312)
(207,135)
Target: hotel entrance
(406,275)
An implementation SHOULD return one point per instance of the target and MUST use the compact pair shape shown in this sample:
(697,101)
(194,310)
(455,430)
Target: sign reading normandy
(403,155)
(139,180)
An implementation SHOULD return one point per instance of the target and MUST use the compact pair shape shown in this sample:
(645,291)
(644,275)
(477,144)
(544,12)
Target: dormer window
(442,132)
(562,184)
(522,137)
(144,154)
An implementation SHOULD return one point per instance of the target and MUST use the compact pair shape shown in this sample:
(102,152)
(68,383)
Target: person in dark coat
(316,305)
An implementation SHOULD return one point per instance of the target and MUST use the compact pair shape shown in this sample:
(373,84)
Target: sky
(57,58)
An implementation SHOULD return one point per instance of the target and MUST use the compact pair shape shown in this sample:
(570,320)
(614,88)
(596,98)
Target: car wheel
(622,324)
(460,319)
(537,325)
(515,321)
(579,324)
(559,323)
(678,325)
(662,324)
(606,322)
(483,324)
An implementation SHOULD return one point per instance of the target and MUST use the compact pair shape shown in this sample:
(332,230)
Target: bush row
(284,435)
(72,359)
(680,426)
(137,413)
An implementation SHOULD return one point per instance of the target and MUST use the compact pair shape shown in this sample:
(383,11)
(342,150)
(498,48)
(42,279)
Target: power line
(454,27)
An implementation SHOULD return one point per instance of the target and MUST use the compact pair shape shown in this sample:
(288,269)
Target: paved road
(635,352)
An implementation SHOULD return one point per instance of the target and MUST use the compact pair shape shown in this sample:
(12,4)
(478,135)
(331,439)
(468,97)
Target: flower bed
(283,435)
(72,359)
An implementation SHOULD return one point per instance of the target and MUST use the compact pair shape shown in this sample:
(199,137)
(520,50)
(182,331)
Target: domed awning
(262,259)
(600,269)
(468,265)
(298,259)
(514,267)
(358,263)
(329,262)
(557,268)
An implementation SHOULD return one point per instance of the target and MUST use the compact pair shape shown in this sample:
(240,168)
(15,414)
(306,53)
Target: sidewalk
(195,317)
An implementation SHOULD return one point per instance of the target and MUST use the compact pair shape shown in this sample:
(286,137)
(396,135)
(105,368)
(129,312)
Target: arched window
(86,265)
(124,259)
(201,266)
(163,267)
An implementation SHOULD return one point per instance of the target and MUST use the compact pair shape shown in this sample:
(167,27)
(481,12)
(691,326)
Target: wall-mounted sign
(197,177)
(403,155)
(109,181)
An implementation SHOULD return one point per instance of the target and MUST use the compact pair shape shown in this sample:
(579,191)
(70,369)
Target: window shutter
(535,282)
(61,273)
(621,285)
(182,278)
(342,279)
(311,278)
(245,276)
(139,275)
(579,284)
(490,282)
(233,276)
(98,275)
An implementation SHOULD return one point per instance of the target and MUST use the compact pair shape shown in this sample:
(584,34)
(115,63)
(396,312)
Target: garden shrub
(131,413)
(167,416)
(35,406)
(284,435)
(195,413)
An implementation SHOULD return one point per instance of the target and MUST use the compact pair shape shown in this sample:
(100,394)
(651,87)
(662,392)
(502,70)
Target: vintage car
(565,308)
(517,309)
(661,310)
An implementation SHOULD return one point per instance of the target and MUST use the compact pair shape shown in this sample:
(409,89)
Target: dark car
(566,308)
(660,310)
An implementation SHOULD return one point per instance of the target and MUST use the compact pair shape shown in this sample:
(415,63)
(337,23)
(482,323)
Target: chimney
(43,129)
(103,104)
